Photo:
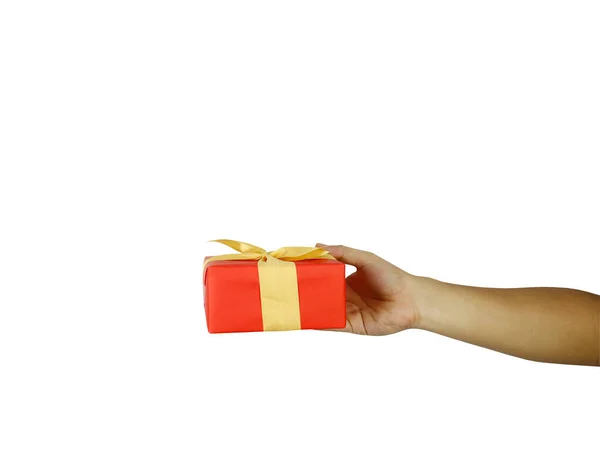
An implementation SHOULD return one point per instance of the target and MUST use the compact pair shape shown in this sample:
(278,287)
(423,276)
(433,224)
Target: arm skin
(555,325)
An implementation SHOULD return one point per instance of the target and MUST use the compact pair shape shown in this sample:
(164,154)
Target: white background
(458,140)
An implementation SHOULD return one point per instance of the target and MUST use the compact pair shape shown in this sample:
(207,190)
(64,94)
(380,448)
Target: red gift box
(234,296)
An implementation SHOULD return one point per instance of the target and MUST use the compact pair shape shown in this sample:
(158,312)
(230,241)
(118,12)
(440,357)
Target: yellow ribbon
(277,279)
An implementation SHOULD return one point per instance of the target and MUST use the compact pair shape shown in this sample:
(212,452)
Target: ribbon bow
(250,252)
(277,277)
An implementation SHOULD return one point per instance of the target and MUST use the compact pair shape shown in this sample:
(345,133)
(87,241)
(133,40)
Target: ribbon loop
(294,254)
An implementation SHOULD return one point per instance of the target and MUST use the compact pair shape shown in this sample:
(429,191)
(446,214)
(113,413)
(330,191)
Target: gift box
(288,289)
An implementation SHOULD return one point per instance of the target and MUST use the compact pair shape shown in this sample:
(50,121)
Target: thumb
(350,256)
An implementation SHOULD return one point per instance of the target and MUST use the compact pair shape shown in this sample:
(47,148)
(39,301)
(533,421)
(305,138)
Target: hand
(379,300)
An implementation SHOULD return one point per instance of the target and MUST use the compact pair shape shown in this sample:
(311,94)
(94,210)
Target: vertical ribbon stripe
(279,295)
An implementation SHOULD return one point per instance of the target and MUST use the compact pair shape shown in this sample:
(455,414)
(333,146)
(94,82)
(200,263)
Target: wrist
(426,293)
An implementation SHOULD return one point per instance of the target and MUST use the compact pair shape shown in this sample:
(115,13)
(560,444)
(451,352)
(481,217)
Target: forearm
(542,324)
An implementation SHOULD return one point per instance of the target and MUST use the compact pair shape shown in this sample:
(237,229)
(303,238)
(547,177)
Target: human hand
(556,325)
(379,296)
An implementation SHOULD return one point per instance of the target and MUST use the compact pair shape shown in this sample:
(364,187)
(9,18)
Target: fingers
(350,256)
